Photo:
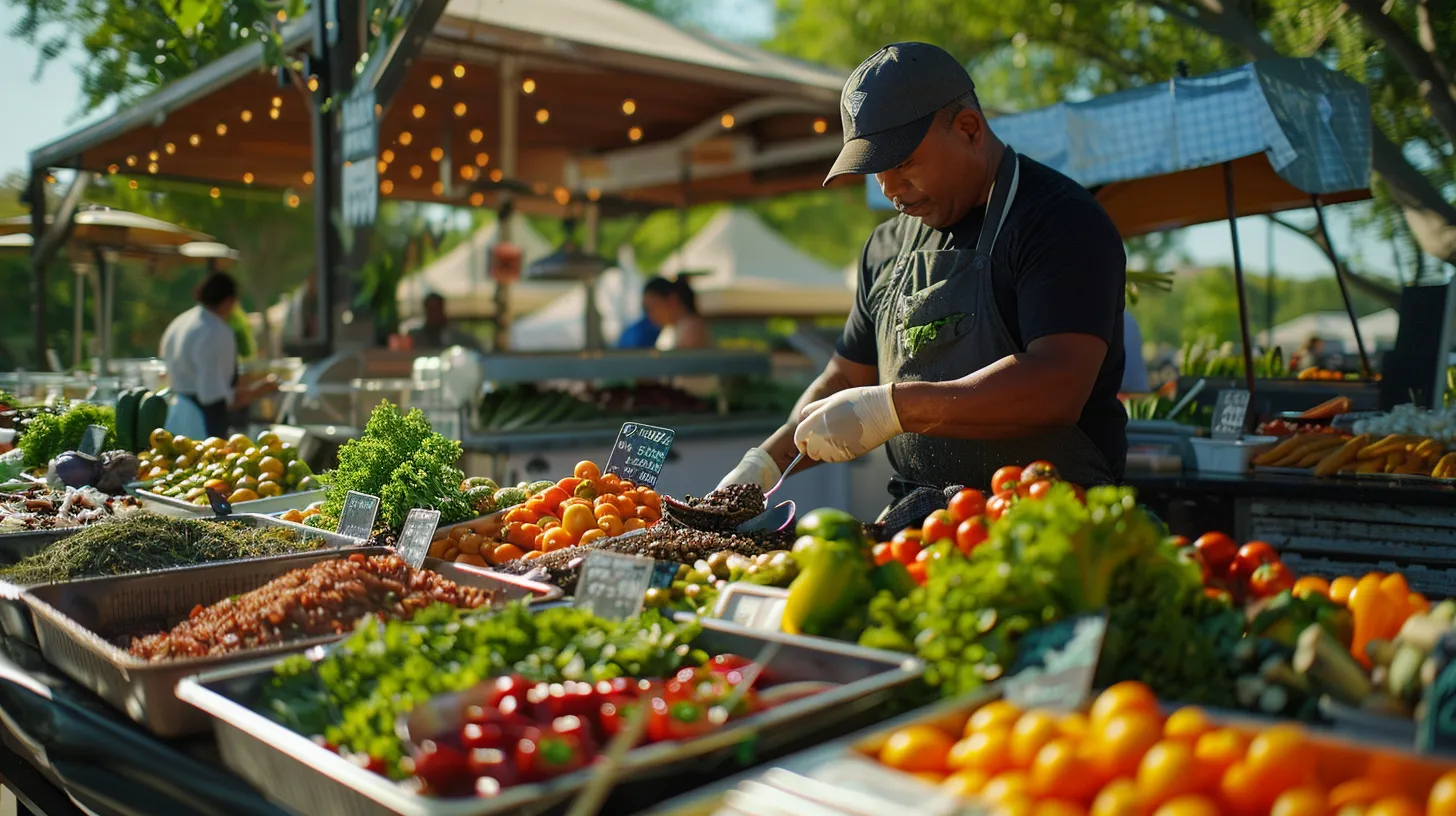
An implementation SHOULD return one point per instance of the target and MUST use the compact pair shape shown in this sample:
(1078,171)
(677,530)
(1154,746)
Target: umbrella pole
(1228,192)
(1329,247)
(78,339)
(510,122)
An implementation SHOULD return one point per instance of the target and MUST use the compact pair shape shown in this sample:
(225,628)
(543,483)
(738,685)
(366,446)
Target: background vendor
(988,323)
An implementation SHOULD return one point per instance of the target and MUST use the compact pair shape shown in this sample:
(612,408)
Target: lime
(833,525)
(269,489)
(310,483)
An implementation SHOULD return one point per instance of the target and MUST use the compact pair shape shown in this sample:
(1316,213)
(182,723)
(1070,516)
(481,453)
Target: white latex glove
(848,424)
(757,468)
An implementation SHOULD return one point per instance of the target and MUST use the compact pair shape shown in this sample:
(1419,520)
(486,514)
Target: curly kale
(50,435)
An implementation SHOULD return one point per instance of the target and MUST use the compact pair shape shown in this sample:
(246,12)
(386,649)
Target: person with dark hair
(672,306)
(201,353)
(436,334)
(987,328)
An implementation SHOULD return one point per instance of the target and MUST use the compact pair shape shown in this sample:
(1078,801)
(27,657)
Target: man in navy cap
(987,329)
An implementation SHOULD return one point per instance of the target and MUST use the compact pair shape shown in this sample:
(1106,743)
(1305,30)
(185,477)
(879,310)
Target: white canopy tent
(1378,329)
(461,277)
(751,270)
(561,326)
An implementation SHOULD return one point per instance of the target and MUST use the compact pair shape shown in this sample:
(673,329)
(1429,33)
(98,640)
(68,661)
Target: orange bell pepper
(1418,604)
(1398,591)
(1376,618)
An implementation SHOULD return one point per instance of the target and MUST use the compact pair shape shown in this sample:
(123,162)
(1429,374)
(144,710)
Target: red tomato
(917,571)
(939,526)
(1038,471)
(1256,553)
(971,533)
(1219,594)
(882,553)
(905,551)
(1038,490)
(909,534)
(1080,492)
(1179,542)
(1271,579)
(1005,479)
(1218,551)
(999,504)
(967,504)
(1237,574)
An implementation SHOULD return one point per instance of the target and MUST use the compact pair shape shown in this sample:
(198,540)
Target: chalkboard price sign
(1056,665)
(92,442)
(1229,413)
(415,538)
(639,453)
(357,518)
(220,505)
(612,585)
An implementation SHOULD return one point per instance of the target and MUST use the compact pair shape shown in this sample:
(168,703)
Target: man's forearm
(1013,397)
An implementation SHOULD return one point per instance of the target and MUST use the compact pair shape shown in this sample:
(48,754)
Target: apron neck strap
(1003,192)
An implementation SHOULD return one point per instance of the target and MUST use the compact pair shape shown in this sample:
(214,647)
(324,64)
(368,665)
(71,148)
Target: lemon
(272,466)
(269,489)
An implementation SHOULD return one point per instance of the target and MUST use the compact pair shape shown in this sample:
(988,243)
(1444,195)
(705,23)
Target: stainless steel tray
(16,620)
(76,622)
(171,506)
(306,778)
(18,545)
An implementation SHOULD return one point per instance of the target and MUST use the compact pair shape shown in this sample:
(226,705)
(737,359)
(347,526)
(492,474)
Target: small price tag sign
(356,520)
(639,453)
(221,507)
(612,585)
(93,440)
(1229,413)
(1057,664)
(753,606)
(415,538)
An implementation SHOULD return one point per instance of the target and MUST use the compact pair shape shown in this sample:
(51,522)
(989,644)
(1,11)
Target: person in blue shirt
(640,335)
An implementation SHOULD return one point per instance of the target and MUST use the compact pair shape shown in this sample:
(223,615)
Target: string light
(629,107)
(496,175)
(726,121)
(282,15)
(194,140)
(528,86)
(540,188)
(482,159)
(459,71)
(247,178)
(215,193)
(378,109)
(221,129)
(436,153)
(405,138)
(50,179)
(416,171)
(387,155)
(313,83)
(308,177)
(293,199)
(476,135)
(246,116)
(131,183)
(562,195)
(170,148)
(386,186)
(418,111)
(467,172)
(820,125)
(477,199)
(153,155)
(436,81)
(459,108)
(543,116)
(277,101)
(382,166)
(273,114)
(438,188)
(593,194)
(152,167)
(634,134)
(113,169)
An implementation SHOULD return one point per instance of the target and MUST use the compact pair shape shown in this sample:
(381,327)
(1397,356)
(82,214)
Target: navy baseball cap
(889,102)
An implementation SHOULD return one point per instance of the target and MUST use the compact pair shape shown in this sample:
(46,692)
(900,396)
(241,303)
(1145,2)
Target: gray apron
(936,321)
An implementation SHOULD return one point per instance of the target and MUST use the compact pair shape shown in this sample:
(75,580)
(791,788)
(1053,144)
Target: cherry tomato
(1217,550)
(999,504)
(1220,595)
(967,504)
(905,551)
(1271,579)
(1311,585)
(1038,490)
(939,526)
(971,533)
(1038,471)
(1179,542)
(1238,574)
(1256,553)
(917,571)
(728,663)
(1005,479)
(443,768)
(882,553)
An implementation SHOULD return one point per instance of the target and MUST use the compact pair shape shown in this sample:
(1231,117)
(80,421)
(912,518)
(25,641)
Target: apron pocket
(934,316)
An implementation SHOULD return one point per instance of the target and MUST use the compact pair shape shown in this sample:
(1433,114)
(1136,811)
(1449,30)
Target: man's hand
(849,424)
(757,468)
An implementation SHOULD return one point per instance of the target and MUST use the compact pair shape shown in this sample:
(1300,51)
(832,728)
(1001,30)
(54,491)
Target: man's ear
(970,122)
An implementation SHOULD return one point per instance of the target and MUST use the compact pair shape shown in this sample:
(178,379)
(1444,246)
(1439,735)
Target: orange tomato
(554,496)
(1006,786)
(634,524)
(1311,585)
(1362,791)
(1340,589)
(650,498)
(1034,729)
(587,471)
(548,522)
(917,748)
(1014,806)
(1073,725)
(472,559)
(1282,752)
(504,553)
(558,538)
(522,535)
(1394,806)
(521,515)
(1121,742)
(1168,770)
(917,571)
(1119,797)
(611,483)
(965,782)
(1218,750)
(611,525)
(577,520)
(539,506)
(905,550)
(987,751)
(1300,802)
(569,484)
(606,508)
(533,554)
(1188,806)
(1004,477)
(1121,698)
(1442,801)
(594,534)
(1057,807)
(1187,723)
(1245,793)
(1060,771)
(995,715)
(882,553)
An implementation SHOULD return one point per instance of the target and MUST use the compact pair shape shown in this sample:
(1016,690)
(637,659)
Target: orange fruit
(1340,589)
(605,507)
(1120,744)
(1187,723)
(1442,801)
(504,553)
(1394,805)
(1311,585)
(594,534)
(611,525)
(533,554)
(1218,750)
(1119,797)
(1073,725)
(1283,752)
(634,524)
(1121,698)
(650,498)
(577,520)
(998,714)
(1009,785)
(1060,771)
(470,543)
(1361,791)
(988,751)
(451,554)
(1242,792)
(1034,729)
(472,560)
(1168,770)
(1300,802)
(557,538)
(917,748)
(1188,806)
(965,782)
(587,471)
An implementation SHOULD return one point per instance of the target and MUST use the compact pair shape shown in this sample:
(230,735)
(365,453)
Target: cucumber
(127,404)
(151,415)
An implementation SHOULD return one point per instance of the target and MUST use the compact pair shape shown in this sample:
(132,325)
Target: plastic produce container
(1229,455)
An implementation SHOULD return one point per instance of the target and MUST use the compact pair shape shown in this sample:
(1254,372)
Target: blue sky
(41,110)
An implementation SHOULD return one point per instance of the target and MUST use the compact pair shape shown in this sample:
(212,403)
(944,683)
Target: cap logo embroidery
(854,102)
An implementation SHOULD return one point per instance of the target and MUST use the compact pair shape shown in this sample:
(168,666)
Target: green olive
(655,598)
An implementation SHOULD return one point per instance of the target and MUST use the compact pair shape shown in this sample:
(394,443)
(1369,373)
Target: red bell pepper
(543,754)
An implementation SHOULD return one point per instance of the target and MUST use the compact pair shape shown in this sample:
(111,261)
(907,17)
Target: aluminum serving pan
(306,778)
(18,545)
(172,506)
(79,623)
(15,617)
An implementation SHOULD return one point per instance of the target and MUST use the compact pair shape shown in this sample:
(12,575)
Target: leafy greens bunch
(405,463)
(50,435)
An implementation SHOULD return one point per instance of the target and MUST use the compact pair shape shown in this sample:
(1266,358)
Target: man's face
(945,177)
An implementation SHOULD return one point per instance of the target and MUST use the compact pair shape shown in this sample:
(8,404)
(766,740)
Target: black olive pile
(723,509)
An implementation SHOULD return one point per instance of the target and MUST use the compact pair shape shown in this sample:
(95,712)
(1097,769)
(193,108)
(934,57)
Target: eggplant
(75,469)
